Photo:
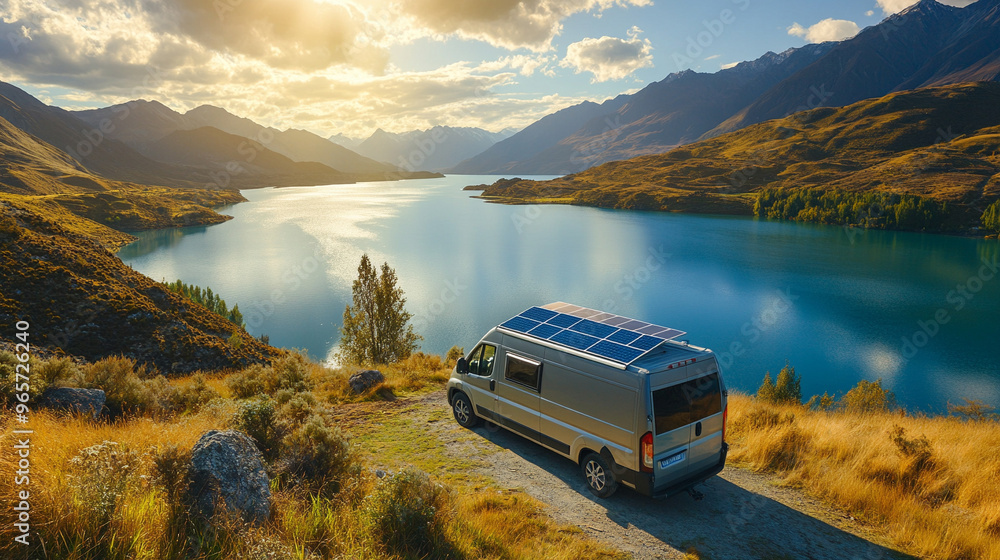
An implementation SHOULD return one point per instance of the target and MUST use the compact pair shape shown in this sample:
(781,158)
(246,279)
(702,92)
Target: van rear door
(706,398)
(671,434)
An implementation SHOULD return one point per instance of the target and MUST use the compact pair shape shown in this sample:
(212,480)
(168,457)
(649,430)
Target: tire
(461,407)
(599,476)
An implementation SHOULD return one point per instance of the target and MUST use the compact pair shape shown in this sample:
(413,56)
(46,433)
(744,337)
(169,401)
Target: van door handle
(493,384)
(697,429)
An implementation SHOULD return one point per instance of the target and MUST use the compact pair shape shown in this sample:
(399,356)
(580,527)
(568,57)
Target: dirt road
(743,515)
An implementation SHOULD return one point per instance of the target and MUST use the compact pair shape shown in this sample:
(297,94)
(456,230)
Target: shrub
(974,410)
(170,474)
(454,353)
(194,395)
(54,371)
(100,474)
(319,457)
(786,390)
(9,381)
(407,514)
(123,389)
(297,408)
(249,382)
(257,419)
(290,373)
(868,396)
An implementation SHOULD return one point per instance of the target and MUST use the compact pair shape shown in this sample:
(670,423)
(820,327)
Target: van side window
(524,371)
(684,403)
(481,360)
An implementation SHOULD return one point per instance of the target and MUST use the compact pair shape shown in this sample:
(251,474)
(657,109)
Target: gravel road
(744,515)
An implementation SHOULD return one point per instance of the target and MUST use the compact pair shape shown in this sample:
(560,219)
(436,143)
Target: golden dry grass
(137,521)
(934,487)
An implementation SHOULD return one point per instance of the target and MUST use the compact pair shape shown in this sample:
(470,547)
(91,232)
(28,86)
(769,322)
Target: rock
(227,467)
(365,380)
(80,401)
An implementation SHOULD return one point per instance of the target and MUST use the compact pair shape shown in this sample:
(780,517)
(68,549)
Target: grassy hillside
(126,499)
(81,298)
(938,143)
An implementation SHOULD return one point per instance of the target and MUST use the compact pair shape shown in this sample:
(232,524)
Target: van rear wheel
(600,479)
(461,407)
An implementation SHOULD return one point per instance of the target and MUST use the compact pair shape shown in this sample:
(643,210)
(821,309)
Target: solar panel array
(609,336)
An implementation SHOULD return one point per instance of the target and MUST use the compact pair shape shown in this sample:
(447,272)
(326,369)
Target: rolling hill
(939,144)
(141,124)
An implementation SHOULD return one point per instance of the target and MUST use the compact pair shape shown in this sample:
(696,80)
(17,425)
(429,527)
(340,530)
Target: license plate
(673,459)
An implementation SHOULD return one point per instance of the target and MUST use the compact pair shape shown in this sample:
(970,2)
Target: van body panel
(571,404)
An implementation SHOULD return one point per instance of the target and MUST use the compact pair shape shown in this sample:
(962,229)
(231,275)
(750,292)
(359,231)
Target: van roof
(599,336)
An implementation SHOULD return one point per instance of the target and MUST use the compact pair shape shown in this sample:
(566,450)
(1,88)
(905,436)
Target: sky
(351,66)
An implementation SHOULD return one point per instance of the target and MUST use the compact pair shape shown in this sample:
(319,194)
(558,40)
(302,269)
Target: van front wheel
(461,407)
(600,480)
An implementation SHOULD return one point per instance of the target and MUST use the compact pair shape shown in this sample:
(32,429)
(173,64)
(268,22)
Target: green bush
(100,475)
(289,373)
(190,398)
(249,382)
(319,457)
(407,513)
(124,391)
(9,381)
(257,419)
(786,390)
(871,209)
(991,217)
(868,396)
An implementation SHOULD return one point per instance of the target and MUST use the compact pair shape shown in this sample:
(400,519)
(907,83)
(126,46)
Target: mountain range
(436,149)
(939,145)
(928,44)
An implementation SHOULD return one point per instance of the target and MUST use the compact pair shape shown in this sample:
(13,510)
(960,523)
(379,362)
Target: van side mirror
(462,366)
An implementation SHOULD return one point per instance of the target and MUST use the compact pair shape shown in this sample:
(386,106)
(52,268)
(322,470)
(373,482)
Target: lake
(918,311)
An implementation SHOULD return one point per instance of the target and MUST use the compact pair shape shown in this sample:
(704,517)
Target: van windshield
(682,404)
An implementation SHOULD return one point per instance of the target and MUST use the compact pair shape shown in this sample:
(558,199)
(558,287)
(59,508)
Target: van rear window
(679,405)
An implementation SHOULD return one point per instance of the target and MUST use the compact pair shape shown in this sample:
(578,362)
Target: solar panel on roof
(599,334)
(623,336)
(544,330)
(646,342)
(615,351)
(562,320)
(593,328)
(520,324)
(575,339)
(539,314)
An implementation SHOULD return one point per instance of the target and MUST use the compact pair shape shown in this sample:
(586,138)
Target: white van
(617,395)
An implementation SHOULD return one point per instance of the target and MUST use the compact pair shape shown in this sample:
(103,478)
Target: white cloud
(728,65)
(894,6)
(827,30)
(511,24)
(609,58)
(713,57)
(870,13)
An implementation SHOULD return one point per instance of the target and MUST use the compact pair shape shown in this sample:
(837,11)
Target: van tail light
(646,449)
(725,420)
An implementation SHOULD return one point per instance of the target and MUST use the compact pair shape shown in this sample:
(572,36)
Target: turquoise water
(918,311)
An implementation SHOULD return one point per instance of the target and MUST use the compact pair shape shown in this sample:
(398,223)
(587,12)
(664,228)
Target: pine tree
(376,326)
(787,389)
(766,392)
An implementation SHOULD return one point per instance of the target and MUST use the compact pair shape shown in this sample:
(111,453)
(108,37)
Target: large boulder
(365,380)
(80,401)
(226,467)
